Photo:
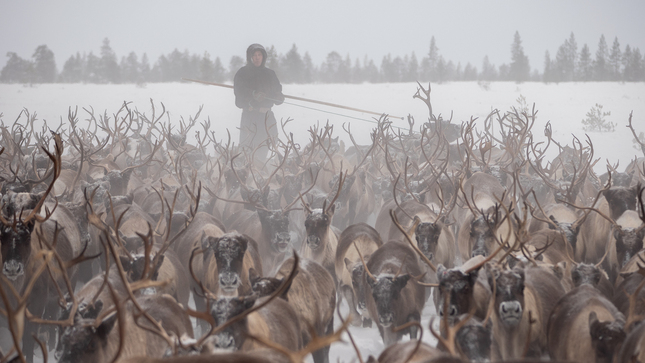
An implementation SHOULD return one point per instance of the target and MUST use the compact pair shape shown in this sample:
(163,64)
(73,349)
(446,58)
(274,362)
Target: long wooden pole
(298,98)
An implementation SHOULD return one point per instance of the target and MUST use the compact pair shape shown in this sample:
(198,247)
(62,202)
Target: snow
(564,105)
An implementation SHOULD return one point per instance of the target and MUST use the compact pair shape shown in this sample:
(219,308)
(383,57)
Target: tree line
(569,64)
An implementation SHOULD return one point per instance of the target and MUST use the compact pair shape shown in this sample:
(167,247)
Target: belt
(259,110)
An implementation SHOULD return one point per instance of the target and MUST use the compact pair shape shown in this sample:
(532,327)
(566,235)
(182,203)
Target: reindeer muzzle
(13,269)
(283,241)
(313,241)
(385,319)
(229,281)
(510,312)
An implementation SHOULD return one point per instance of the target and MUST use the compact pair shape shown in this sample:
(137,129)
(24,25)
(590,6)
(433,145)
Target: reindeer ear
(244,241)
(249,301)
(371,280)
(593,320)
(401,281)
(441,270)
(106,326)
(92,311)
(348,263)
(558,269)
(206,241)
(253,275)
(332,209)
(125,262)
(492,273)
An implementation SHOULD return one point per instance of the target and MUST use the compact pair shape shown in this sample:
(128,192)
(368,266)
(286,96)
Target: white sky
(465,31)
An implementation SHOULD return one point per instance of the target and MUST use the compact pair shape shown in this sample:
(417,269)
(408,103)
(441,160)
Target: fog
(465,31)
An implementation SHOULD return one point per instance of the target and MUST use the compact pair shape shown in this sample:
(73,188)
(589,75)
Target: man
(257,89)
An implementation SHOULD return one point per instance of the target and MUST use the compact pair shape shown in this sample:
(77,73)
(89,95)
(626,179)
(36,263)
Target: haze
(464,31)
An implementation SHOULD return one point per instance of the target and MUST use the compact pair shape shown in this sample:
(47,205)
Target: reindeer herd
(122,241)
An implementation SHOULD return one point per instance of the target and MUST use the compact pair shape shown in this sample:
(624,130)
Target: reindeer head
(570,230)
(83,342)
(229,251)
(265,286)
(135,267)
(357,270)
(621,199)
(474,340)
(583,273)
(481,236)
(317,224)
(458,287)
(509,293)
(386,291)
(16,248)
(224,309)
(427,236)
(628,242)
(606,337)
(275,226)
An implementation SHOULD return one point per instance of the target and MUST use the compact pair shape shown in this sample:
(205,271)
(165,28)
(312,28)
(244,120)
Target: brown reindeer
(523,301)
(24,236)
(322,239)
(597,229)
(357,238)
(312,294)
(227,260)
(277,322)
(393,297)
(97,340)
(411,352)
(585,327)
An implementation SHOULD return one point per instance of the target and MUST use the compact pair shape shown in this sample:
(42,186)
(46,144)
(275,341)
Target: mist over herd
(139,234)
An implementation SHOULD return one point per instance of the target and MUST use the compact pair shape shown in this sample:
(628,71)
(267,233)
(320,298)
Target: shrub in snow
(595,120)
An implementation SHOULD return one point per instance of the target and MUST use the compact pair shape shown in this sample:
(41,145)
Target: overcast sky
(464,31)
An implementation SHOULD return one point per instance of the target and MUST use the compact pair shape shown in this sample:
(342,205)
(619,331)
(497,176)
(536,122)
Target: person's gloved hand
(259,96)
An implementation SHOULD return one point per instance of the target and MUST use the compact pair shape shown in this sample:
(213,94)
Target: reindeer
(234,319)
(392,299)
(312,294)
(322,239)
(484,222)
(355,241)
(227,260)
(96,340)
(584,326)
(523,301)
(24,240)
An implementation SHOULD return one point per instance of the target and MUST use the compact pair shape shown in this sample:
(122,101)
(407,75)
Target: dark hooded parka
(257,89)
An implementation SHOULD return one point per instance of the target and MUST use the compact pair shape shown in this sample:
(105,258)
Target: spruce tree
(293,66)
(600,63)
(16,70)
(72,70)
(615,60)
(585,65)
(234,65)
(207,68)
(130,68)
(433,61)
(44,65)
(108,67)
(309,70)
(548,68)
(519,70)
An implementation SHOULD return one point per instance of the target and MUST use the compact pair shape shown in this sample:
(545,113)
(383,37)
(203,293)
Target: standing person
(257,89)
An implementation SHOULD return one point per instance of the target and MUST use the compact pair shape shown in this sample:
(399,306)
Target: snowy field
(564,105)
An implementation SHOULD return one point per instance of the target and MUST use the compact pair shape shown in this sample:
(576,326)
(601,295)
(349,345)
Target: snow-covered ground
(564,105)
